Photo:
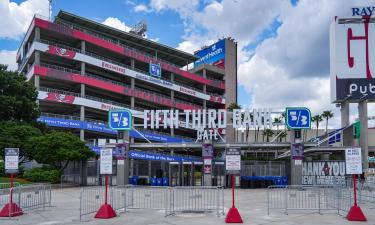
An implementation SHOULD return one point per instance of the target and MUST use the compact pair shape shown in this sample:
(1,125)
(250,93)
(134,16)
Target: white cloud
(291,67)
(116,23)
(16,18)
(142,8)
(8,58)
(184,7)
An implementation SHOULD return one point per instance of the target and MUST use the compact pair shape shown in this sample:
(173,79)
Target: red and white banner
(66,53)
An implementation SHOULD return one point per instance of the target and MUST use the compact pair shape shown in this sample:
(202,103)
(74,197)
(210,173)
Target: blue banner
(103,128)
(156,137)
(213,54)
(160,157)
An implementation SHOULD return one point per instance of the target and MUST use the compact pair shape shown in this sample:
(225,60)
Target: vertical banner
(11,160)
(297,151)
(353,159)
(207,155)
(120,151)
(233,160)
(106,161)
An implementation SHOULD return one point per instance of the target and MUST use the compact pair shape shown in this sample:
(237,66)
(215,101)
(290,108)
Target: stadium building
(82,69)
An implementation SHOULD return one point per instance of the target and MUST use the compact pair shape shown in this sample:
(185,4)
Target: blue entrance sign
(298,118)
(120,119)
(160,157)
(155,70)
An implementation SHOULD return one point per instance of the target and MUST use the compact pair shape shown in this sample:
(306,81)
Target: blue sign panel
(103,128)
(156,137)
(213,54)
(76,124)
(160,157)
(120,119)
(298,118)
(155,70)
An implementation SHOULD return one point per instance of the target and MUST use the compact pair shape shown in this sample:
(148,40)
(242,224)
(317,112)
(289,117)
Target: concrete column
(207,177)
(172,98)
(83,93)
(344,110)
(132,83)
(295,169)
(363,140)
(83,46)
(131,167)
(123,165)
(37,34)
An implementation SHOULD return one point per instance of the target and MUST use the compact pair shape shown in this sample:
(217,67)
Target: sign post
(353,158)
(106,211)
(233,167)
(11,209)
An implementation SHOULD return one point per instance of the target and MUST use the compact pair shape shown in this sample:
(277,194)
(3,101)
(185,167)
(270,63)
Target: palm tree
(282,118)
(317,119)
(268,133)
(282,135)
(327,115)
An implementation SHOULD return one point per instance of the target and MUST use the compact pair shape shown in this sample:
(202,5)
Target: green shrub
(2,172)
(44,174)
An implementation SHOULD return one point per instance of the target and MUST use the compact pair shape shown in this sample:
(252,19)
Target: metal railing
(115,82)
(27,197)
(117,42)
(113,62)
(312,198)
(197,199)
(170,199)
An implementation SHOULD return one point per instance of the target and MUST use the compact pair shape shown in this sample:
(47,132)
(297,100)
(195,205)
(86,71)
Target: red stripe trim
(121,50)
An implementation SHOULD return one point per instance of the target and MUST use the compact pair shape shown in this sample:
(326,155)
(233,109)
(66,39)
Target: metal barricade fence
(91,198)
(366,192)
(27,197)
(34,196)
(315,198)
(169,199)
(146,197)
(196,199)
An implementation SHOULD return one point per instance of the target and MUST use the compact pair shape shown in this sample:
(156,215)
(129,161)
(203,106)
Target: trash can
(165,181)
(153,181)
(159,181)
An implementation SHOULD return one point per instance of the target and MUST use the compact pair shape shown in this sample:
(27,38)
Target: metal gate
(313,198)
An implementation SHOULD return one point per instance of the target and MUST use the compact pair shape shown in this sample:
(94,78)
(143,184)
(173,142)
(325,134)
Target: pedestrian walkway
(251,203)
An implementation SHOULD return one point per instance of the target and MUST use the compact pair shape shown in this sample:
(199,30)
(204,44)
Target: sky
(283,45)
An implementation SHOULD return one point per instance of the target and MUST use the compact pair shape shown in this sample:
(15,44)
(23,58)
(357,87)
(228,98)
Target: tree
(17,96)
(317,119)
(58,149)
(16,135)
(282,135)
(268,133)
(327,115)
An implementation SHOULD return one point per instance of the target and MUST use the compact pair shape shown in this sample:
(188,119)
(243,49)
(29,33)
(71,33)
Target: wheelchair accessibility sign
(120,119)
(298,118)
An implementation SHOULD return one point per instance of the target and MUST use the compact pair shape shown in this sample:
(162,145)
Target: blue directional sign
(298,118)
(120,119)
(155,70)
